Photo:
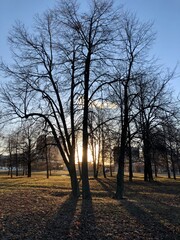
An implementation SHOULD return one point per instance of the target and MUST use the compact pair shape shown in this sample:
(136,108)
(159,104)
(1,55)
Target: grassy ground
(39,208)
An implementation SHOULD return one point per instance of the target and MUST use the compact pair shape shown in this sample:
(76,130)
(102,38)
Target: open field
(40,208)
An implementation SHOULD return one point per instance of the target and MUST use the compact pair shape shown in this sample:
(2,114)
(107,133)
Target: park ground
(40,208)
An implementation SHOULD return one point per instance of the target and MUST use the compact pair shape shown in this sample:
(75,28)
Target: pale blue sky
(164,13)
(23,10)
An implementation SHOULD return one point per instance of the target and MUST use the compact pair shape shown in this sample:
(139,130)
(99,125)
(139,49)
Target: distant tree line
(29,148)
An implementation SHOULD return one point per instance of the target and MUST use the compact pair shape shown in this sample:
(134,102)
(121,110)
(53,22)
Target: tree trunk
(104,169)
(78,161)
(10,156)
(155,170)
(120,175)
(85,179)
(110,165)
(178,162)
(10,172)
(29,168)
(98,158)
(130,156)
(103,153)
(167,165)
(17,165)
(73,173)
(29,158)
(49,161)
(110,159)
(148,175)
(93,146)
(94,167)
(172,163)
(46,157)
(97,166)
(155,163)
(79,168)
(74,181)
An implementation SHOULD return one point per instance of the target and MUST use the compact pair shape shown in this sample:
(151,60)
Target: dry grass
(40,208)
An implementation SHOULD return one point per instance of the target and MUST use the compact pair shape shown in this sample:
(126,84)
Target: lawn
(40,208)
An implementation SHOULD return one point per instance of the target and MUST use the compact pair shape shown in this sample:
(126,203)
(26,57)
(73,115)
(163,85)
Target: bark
(97,166)
(155,162)
(79,164)
(85,178)
(17,164)
(120,175)
(130,156)
(29,168)
(178,162)
(93,150)
(94,158)
(47,162)
(155,169)
(94,168)
(98,158)
(103,153)
(110,165)
(29,158)
(73,173)
(10,172)
(167,165)
(148,176)
(111,158)
(74,181)
(172,163)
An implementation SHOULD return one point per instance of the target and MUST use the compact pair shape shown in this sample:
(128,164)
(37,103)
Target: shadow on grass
(75,219)
(148,222)
(59,226)
(157,218)
(87,228)
(155,186)
(165,208)
(107,185)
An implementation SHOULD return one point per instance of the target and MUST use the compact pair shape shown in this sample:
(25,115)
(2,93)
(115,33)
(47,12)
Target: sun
(78,154)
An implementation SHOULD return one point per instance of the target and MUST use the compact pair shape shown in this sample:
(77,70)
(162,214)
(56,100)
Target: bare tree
(171,142)
(94,30)
(29,132)
(135,38)
(47,80)
(153,100)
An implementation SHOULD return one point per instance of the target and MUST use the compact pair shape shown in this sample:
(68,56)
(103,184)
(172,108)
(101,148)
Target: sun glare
(78,155)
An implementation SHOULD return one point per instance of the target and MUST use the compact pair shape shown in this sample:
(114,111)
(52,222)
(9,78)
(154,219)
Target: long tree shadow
(150,215)
(107,186)
(87,222)
(148,223)
(75,220)
(156,186)
(166,209)
(59,227)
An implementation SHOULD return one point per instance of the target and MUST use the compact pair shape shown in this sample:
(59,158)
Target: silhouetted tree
(153,100)
(135,38)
